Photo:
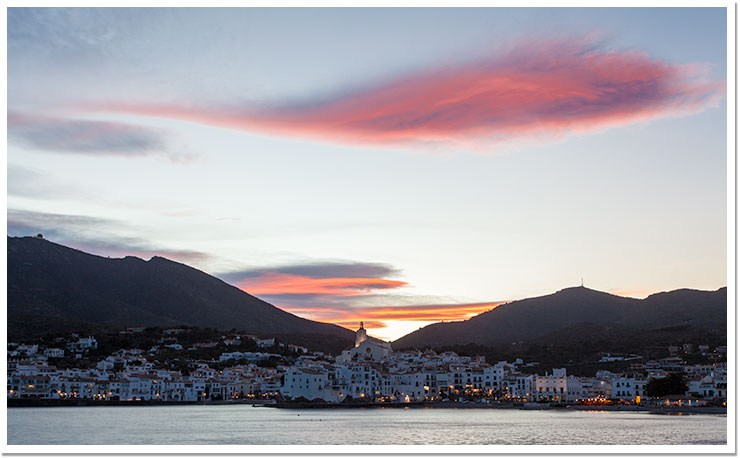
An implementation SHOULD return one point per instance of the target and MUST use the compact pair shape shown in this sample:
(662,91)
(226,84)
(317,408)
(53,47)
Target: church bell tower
(360,335)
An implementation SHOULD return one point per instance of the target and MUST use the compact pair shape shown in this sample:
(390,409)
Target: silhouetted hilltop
(51,287)
(533,318)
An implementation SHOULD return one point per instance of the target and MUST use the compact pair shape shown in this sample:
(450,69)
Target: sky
(397,166)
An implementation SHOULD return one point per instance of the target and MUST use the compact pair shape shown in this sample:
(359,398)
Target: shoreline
(532,406)
(93,403)
(16,403)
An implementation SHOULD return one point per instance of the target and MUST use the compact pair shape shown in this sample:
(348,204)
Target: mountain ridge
(533,318)
(53,286)
(49,281)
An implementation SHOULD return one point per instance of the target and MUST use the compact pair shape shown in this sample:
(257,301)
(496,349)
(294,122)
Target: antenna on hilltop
(581,282)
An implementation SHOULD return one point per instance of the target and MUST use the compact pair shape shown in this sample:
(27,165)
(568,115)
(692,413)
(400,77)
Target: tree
(673,384)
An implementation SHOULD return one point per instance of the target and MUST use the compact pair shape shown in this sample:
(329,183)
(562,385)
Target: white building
(552,388)
(366,348)
(28,349)
(265,343)
(83,344)
(713,386)
(54,352)
(517,387)
(597,387)
(628,388)
(309,383)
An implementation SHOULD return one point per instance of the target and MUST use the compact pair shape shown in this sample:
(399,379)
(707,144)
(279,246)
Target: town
(235,367)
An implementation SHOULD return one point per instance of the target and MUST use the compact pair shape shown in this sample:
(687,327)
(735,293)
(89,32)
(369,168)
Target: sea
(243,424)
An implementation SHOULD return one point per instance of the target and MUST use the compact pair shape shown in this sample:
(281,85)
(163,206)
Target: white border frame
(729,448)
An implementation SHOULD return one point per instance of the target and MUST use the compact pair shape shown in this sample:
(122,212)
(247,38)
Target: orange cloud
(429,312)
(538,88)
(280,283)
(350,317)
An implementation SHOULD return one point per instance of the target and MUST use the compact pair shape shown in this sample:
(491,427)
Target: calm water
(243,424)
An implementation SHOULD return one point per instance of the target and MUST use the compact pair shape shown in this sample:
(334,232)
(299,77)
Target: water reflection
(235,424)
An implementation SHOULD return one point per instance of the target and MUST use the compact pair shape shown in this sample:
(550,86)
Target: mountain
(702,309)
(534,318)
(52,287)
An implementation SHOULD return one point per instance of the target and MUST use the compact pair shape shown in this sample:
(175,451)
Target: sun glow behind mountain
(390,323)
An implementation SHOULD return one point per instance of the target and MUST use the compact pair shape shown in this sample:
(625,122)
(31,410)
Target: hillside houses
(384,376)
(133,383)
(369,372)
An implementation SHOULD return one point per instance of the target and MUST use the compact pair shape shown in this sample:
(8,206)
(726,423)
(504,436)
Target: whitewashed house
(308,383)
(406,386)
(54,352)
(628,388)
(551,388)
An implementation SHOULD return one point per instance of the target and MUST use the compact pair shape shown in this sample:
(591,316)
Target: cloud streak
(74,136)
(84,137)
(537,89)
(308,281)
(92,235)
(301,281)
(285,284)
(326,269)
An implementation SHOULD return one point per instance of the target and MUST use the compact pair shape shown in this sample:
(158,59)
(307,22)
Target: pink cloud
(280,283)
(537,89)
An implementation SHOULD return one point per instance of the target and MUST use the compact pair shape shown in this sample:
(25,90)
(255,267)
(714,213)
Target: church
(366,348)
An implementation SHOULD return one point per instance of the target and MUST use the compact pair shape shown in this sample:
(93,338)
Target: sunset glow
(394,322)
(447,312)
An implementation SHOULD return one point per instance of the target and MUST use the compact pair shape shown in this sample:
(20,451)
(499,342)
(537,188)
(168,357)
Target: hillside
(52,287)
(535,318)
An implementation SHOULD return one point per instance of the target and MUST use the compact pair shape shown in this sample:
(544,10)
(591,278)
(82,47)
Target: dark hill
(700,309)
(534,318)
(589,333)
(53,286)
